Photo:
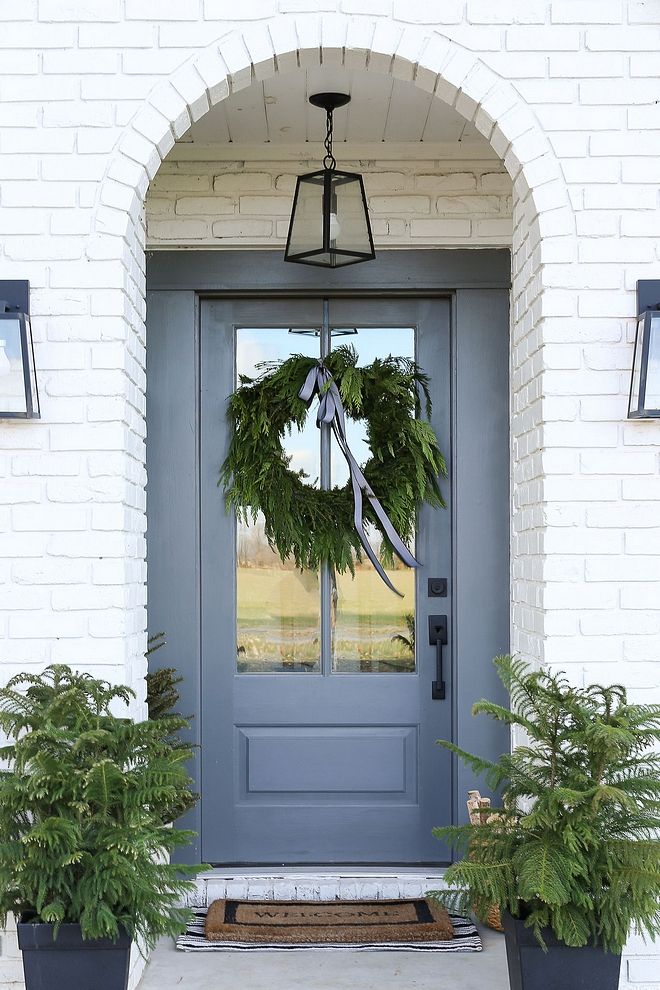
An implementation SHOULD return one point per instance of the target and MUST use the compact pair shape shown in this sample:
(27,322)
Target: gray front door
(318,719)
(316,725)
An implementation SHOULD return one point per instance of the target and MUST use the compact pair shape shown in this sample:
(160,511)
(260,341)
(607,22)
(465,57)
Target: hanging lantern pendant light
(329,220)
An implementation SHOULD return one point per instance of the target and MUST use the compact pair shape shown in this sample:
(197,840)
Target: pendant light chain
(329,162)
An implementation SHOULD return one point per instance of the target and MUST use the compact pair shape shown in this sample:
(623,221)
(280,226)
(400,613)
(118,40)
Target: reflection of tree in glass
(409,640)
(277,607)
(241,665)
(253,549)
(295,645)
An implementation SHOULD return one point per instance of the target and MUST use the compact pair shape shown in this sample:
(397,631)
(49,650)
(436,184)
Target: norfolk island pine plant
(572,856)
(84,833)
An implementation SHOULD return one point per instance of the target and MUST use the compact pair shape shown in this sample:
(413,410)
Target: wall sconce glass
(329,220)
(644,399)
(19,394)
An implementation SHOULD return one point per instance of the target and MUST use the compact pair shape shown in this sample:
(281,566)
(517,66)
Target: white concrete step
(314,885)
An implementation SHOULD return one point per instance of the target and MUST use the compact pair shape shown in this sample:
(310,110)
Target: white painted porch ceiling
(382,109)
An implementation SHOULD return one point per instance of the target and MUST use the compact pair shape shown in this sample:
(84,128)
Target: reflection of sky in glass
(370,343)
(10,333)
(12,386)
(255,344)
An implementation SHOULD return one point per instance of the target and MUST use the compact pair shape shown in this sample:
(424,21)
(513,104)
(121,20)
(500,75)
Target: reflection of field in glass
(371,633)
(278,618)
(278,621)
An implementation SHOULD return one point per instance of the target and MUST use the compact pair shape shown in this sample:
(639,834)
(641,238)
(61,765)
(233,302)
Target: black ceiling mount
(329,101)
(16,294)
(648,294)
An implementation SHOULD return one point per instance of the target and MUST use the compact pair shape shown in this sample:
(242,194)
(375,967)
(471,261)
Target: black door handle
(438,638)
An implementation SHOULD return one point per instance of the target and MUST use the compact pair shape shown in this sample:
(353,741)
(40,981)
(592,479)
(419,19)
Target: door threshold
(334,870)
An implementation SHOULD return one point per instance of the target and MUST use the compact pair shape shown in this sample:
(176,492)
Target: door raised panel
(346,761)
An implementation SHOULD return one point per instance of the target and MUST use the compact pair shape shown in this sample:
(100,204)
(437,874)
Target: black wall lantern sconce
(329,221)
(644,399)
(19,394)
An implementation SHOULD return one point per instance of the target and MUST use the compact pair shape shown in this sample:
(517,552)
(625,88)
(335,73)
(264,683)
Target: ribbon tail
(359,527)
(399,547)
(331,412)
(359,484)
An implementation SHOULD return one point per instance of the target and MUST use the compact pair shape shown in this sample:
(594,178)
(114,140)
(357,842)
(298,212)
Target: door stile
(454,495)
(326,483)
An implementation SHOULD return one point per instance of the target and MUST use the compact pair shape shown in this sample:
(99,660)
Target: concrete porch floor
(169,969)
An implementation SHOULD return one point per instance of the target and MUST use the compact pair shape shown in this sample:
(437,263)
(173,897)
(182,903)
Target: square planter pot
(562,967)
(71,962)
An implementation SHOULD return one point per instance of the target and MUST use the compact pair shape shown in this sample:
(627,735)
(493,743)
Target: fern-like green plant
(162,692)
(407,641)
(575,845)
(162,699)
(83,803)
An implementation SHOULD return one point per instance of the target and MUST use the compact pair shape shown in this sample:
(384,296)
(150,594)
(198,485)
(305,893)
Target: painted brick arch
(543,219)
(430,60)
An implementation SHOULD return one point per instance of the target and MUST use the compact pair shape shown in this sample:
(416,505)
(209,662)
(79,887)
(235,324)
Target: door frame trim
(413,272)
(192,275)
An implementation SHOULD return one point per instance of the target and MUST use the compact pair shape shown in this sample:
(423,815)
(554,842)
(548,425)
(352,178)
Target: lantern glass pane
(652,396)
(633,404)
(12,383)
(351,226)
(329,224)
(306,230)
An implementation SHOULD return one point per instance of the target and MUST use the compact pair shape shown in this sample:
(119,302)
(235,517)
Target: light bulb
(5,366)
(335,227)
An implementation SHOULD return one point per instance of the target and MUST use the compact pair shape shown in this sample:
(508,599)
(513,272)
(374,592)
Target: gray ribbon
(320,382)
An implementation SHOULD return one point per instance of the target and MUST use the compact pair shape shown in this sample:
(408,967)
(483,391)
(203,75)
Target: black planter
(71,963)
(562,967)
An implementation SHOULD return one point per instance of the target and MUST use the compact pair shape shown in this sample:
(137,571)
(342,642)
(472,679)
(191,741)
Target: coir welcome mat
(418,925)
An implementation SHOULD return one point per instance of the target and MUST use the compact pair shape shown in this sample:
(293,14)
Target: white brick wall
(93,94)
(247,204)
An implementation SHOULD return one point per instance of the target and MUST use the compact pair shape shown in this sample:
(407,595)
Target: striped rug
(466,939)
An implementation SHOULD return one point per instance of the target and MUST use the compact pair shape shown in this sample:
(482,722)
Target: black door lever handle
(438,638)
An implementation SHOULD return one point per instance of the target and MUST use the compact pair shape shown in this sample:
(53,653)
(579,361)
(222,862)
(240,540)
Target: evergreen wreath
(306,522)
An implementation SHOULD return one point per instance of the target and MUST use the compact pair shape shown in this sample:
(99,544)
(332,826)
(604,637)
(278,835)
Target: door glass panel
(277,606)
(373,631)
